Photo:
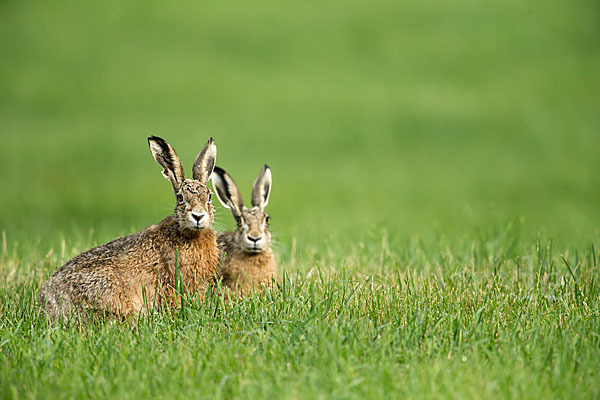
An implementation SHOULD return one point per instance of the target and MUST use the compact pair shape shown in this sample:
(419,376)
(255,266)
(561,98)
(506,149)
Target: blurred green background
(419,119)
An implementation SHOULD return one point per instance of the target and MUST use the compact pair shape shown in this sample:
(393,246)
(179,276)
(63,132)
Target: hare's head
(252,234)
(194,209)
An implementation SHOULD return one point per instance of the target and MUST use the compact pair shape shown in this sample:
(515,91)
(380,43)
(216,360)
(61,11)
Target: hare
(249,262)
(133,273)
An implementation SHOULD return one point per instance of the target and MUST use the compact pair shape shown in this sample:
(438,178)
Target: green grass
(472,326)
(433,162)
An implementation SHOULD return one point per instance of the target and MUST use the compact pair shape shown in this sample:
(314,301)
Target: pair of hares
(181,255)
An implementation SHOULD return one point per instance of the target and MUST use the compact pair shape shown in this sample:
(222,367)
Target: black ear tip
(157,139)
(211,140)
(219,171)
(266,167)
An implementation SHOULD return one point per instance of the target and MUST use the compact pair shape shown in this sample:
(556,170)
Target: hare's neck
(202,241)
(260,259)
(200,244)
(199,248)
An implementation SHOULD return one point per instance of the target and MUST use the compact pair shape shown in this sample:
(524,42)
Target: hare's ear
(227,191)
(166,157)
(205,162)
(262,188)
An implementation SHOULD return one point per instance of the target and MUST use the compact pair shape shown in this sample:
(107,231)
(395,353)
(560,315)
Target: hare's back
(102,276)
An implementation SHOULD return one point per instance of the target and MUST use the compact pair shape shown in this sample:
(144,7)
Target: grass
(495,326)
(435,193)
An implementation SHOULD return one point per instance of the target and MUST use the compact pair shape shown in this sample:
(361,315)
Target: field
(435,201)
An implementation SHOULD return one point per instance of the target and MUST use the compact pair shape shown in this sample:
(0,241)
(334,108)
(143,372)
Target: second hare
(249,261)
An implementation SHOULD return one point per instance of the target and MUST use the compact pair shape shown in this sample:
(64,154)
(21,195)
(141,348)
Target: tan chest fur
(242,272)
(193,266)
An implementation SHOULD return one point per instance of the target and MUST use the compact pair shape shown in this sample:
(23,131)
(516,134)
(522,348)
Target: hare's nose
(252,239)
(197,217)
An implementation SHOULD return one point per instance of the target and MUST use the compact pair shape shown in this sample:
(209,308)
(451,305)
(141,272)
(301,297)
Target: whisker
(218,227)
(279,246)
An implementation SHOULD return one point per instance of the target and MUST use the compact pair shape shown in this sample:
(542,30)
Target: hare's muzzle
(255,244)
(198,220)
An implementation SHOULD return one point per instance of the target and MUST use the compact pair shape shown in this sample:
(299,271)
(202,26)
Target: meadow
(435,199)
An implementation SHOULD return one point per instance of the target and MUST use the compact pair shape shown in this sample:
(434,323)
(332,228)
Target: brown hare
(133,273)
(249,261)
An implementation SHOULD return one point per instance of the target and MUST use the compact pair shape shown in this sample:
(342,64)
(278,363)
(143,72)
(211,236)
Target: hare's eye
(179,197)
(267,219)
(209,197)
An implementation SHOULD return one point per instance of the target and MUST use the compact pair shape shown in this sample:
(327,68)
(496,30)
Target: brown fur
(247,265)
(242,271)
(134,273)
